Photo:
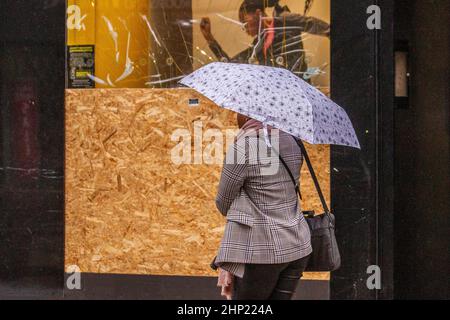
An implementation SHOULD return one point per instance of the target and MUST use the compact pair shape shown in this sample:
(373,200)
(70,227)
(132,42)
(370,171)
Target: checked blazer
(264,220)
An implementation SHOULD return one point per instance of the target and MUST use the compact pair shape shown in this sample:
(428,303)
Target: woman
(267,242)
(278,39)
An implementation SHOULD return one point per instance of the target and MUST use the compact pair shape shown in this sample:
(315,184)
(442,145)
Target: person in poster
(277,40)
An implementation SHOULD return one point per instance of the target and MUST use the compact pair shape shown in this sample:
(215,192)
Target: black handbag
(325,255)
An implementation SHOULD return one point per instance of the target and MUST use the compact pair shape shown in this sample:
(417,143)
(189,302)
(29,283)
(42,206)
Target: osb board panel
(129,209)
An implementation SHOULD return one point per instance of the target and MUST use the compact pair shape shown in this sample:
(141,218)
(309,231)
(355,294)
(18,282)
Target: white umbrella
(277,98)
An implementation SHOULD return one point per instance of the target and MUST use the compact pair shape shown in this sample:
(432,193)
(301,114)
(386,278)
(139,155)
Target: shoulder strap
(311,170)
(296,185)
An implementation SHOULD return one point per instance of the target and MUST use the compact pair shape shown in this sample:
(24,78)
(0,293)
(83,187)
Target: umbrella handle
(266,135)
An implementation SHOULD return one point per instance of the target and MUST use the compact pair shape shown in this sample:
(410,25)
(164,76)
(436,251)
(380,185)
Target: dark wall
(32,65)
(362,181)
(392,199)
(422,154)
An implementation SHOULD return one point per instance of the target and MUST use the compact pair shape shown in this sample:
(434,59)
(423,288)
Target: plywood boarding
(129,208)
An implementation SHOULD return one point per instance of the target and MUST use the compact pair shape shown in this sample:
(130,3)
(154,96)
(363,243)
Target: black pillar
(362,181)
(32,62)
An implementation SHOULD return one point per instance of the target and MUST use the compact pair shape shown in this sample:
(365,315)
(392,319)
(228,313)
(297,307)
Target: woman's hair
(250,6)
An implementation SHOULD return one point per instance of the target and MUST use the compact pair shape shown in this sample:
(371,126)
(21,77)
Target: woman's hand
(205,27)
(226,281)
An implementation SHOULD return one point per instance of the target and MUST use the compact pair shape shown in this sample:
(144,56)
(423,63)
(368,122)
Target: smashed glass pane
(154,43)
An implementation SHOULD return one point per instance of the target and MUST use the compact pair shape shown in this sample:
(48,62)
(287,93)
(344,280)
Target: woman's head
(251,11)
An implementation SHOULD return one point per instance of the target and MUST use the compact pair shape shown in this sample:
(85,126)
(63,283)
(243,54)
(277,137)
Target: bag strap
(313,175)
(296,185)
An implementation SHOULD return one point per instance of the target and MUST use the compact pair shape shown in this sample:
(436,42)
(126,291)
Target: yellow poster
(118,30)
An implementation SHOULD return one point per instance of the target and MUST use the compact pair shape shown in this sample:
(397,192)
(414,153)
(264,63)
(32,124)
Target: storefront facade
(92,187)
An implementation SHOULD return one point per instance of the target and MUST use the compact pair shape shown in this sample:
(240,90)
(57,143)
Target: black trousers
(269,281)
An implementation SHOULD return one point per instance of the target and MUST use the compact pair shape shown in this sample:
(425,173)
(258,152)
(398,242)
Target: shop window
(153,43)
(129,207)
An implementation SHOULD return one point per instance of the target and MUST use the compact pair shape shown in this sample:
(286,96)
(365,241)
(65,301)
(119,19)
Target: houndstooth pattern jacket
(264,220)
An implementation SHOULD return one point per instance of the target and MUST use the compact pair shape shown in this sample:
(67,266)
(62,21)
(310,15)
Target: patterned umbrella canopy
(276,97)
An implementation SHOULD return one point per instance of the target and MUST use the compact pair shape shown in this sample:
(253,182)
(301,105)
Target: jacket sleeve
(234,173)
(218,51)
(305,23)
